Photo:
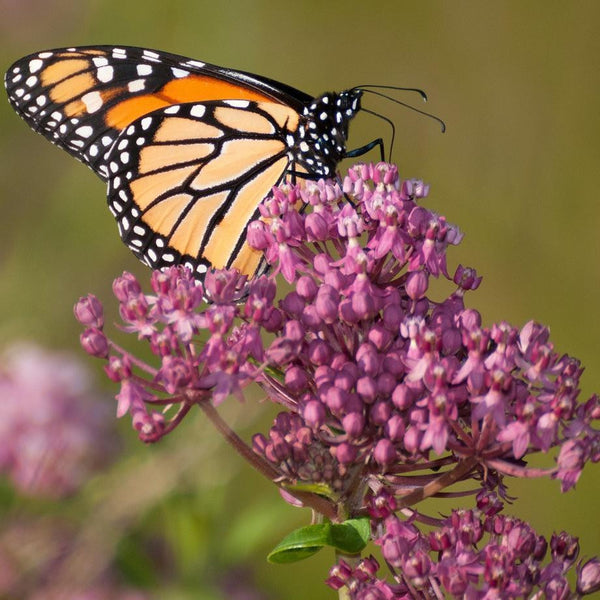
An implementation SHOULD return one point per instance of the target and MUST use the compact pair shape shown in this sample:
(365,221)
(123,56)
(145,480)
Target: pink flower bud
(416,284)
(384,452)
(88,311)
(94,342)
(346,453)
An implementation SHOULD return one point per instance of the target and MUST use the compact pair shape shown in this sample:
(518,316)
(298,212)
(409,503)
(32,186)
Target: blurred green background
(518,84)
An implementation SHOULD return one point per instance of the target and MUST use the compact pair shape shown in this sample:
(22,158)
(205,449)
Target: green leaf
(300,544)
(349,537)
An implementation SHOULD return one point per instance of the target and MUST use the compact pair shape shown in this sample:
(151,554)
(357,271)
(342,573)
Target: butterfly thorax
(320,141)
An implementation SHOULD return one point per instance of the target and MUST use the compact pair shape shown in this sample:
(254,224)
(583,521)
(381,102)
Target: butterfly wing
(186,180)
(188,149)
(82,98)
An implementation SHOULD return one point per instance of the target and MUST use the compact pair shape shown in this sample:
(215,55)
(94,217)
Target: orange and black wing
(189,150)
(185,181)
(82,98)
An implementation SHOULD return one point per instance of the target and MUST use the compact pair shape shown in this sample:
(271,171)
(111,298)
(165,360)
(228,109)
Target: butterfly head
(322,143)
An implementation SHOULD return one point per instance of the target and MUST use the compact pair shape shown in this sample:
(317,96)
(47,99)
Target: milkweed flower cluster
(387,396)
(55,431)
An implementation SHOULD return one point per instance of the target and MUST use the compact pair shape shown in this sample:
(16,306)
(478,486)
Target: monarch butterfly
(188,149)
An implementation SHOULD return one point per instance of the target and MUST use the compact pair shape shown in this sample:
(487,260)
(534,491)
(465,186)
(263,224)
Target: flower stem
(438,484)
(318,503)
(238,444)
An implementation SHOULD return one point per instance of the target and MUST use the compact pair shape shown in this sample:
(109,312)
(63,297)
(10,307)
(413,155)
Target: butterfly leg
(367,148)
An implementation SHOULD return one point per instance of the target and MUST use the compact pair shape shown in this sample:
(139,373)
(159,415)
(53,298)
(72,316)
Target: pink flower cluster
(478,555)
(55,431)
(387,396)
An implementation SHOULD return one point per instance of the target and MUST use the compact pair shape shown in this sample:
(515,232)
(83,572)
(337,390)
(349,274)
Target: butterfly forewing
(82,98)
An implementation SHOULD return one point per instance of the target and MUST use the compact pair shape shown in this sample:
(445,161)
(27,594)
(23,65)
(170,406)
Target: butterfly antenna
(390,123)
(366,88)
(392,87)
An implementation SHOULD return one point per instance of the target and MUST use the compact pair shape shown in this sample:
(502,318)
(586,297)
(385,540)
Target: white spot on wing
(84,131)
(35,65)
(198,111)
(105,73)
(92,101)
(143,70)
(137,85)
(237,103)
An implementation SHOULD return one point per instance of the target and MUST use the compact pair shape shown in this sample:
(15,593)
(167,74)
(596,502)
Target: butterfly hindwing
(183,181)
